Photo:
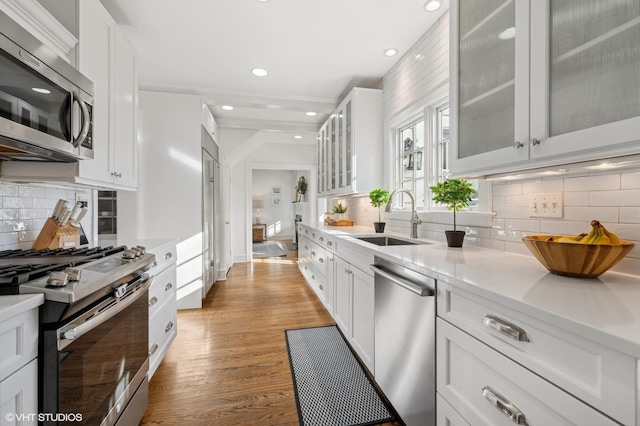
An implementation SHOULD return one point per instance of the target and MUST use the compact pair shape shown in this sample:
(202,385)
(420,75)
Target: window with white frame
(419,147)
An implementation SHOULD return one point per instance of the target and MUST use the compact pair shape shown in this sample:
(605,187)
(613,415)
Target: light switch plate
(546,205)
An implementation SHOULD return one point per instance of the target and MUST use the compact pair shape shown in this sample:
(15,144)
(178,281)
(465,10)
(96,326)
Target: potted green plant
(340,209)
(455,194)
(379,198)
(301,189)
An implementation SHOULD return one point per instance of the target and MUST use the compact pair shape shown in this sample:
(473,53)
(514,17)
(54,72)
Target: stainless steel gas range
(93,348)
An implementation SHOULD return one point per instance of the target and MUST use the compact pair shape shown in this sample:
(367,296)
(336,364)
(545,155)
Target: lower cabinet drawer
(596,374)
(19,395)
(446,415)
(315,280)
(163,328)
(19,337)
(162,289)
(487,388)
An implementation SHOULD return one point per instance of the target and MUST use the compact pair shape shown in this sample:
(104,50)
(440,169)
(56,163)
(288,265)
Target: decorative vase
(379,227)
(454,238)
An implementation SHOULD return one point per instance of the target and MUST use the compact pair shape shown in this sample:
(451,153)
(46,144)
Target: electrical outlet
(545,205)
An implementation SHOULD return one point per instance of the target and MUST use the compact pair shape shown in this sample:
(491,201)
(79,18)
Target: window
(413,143)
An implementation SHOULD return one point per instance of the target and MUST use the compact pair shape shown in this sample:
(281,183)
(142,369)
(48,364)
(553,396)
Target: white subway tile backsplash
(576,199)
(542,186)
(516,200)
(623,197)
(603,214)
(630,214)
(593,183)
(25,209)
(630,180)
(529,225)
(507,189)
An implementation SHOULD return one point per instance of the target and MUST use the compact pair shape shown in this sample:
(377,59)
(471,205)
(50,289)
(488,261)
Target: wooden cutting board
(341,222)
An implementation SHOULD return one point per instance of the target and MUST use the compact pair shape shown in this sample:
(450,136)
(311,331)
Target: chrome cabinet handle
(313,277)
(503,405)
(505,327)
(321,238)
(168,327)
(153,301)
(153,349)
(168,287)
(321,260)
(313,253)
(535,142)
(168,255)
(421,291)
(518,145)
(321,288)
(330,243)
(313,235)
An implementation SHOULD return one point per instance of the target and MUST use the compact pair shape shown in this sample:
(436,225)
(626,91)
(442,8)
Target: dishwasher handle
(404,283)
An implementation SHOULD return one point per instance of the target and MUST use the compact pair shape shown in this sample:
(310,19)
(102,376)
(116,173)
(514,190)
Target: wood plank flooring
(229,363)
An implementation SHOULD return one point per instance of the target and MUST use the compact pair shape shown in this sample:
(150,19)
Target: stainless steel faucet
(415,220)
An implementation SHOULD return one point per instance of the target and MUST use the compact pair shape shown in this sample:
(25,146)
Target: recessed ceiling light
(40,90)
(390,52)
(259,72)
(507,34)
(297,137)
(432,5)
(311,114)
(227,107)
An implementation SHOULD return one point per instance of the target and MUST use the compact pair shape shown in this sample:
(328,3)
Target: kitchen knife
(58,209)
(76,210)
(64,218)
(76,222)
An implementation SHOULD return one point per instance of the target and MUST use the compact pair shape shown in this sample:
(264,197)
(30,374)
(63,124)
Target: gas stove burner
(21,266)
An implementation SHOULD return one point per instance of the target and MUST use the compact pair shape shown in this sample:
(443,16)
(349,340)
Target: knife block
(54,236)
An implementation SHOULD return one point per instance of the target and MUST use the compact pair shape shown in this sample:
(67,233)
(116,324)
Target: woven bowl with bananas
(583,256)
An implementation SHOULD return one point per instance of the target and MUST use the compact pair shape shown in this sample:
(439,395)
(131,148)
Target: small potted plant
(455,194)
(339,209)
(379,198)
(301,189)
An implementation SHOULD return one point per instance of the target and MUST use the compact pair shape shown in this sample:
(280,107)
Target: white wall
(278,211)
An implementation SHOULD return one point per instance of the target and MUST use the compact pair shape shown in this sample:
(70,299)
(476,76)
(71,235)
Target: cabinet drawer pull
(153,301)
(313,277)
(168,255)
(321,260)
(313,235)
(153,349)
(321,288)
(313,253)
(505,327)
(168,327)
(329,244)
(503,405)
(168,287)
(535,142)
(321,238)
(518,145)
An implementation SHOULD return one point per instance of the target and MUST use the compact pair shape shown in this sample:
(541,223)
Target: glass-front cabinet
(350,145)
(538,83)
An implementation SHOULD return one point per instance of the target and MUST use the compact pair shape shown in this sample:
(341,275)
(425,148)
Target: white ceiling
(314,50)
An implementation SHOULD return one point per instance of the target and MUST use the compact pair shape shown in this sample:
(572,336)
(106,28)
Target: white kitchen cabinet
(106,57)
(446,415)
(351,140)
(18,358)
(487,388)
(532,88)
(163,318)
(582,369)
(343,288)
(316,264)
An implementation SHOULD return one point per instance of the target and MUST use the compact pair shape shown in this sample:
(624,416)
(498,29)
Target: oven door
(102,359)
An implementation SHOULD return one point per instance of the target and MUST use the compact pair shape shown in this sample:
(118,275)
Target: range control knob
(73,273)
(129,254)
(58,279)
(143,250)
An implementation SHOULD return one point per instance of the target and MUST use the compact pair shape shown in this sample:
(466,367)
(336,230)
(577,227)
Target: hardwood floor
(229,363)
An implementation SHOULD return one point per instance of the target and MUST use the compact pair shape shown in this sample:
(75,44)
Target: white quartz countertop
(605,309)
(15,304)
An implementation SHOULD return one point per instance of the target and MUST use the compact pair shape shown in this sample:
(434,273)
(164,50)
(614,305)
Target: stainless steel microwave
(46,105)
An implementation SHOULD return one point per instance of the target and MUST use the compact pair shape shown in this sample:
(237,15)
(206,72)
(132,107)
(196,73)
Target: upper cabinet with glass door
(543,83)
(352,137)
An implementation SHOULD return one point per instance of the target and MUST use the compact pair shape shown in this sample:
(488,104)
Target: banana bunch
(598,235)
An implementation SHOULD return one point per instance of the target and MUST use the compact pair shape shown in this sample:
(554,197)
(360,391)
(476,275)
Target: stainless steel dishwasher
(405,341)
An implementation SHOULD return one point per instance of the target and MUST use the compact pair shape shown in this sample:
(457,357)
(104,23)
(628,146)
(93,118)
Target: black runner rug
(331,386)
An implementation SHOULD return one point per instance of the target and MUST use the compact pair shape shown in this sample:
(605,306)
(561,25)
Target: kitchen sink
(389,241)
